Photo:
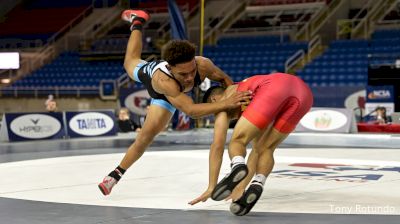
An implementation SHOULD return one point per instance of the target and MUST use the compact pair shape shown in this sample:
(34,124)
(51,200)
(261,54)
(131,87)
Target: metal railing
(387,24)
(163,30)
(344,28)
(314,47)
(282,30)
(362,26)
(49,50)
(365,27)
(231,12)
(294,60)
(380,14)
(365,9)
(318,20)
(125,79)
(300,58)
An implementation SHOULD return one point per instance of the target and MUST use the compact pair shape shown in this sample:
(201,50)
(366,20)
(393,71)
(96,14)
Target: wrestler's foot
(227,184)
(244,204)
(107,185)
(136,17)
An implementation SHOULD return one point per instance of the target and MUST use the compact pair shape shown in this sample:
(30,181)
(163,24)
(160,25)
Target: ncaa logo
(91,124)
(137,102)
(379,94)
(35,126)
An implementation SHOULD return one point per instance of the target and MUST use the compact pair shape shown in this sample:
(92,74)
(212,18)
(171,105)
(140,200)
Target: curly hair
(178,51)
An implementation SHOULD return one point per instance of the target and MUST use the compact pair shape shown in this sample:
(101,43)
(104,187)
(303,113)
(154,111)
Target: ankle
(237,160)
(136,27)
(259,179)
(121,170)
(117,173)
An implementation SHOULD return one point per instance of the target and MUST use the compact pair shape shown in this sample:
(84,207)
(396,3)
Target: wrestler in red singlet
(280,98)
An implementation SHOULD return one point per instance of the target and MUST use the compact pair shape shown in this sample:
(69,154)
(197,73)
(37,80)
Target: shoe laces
(109,181)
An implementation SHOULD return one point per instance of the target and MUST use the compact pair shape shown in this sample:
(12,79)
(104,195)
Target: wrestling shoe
(245,203)
(228,183)
(107,185)
(136,17)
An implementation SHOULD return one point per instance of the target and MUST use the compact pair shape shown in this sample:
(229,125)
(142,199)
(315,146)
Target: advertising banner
(33,126)
(136,100)
(91,123)
(321,119)
(379,96)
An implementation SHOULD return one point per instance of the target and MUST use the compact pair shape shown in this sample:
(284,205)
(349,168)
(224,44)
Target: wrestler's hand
(202,198)
(237,99)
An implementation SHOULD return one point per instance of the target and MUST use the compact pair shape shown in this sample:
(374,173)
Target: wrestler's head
(180,55)
(213,94)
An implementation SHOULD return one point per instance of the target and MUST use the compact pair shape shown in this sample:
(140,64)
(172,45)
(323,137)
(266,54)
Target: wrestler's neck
(231,89)
(232,113)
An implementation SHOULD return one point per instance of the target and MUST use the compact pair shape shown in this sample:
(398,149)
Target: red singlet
(279,98)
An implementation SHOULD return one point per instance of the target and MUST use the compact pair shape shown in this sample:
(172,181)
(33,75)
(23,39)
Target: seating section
(386,34)
(260,55)
(241,57)
(68,70)
(346,62)
(385,46)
